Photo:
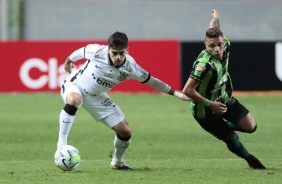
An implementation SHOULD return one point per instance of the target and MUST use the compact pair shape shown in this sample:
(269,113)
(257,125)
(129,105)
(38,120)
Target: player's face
(117,55)
(215,46)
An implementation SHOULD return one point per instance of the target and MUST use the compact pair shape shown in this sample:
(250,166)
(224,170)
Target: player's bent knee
(74,99)
(253,130)
(122,129)
(126,132)
(122,132)
(124,137)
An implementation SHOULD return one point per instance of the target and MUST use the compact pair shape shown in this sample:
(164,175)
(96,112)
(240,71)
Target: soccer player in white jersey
(105,67)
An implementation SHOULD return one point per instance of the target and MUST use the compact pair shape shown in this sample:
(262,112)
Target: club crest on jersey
(122,76)
(200,68)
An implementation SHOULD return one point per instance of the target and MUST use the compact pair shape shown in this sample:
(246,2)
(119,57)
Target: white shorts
(100,107)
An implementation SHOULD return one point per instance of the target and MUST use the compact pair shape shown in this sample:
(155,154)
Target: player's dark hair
(118,40)
(213,33)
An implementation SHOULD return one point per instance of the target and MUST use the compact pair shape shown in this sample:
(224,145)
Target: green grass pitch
(167,146)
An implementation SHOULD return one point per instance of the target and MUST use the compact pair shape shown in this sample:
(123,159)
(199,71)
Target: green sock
(236,147)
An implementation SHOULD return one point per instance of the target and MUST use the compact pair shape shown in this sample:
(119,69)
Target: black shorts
(217,124)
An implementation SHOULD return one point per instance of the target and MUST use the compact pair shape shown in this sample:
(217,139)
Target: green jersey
(215,82)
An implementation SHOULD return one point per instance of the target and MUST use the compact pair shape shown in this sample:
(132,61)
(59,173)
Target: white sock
(66,122)
(120,149)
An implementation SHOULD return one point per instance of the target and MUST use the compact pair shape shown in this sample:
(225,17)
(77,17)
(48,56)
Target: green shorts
(217,124)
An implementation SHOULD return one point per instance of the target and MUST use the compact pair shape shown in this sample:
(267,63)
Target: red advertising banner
(37,66)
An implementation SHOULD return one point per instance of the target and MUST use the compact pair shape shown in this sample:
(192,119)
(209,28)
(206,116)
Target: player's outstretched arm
(179,95)
(165,88)
(214,23)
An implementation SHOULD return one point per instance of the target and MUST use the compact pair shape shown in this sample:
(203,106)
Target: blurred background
(186,20)
(253,26)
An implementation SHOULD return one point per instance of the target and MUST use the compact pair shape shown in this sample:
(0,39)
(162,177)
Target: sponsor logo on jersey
(200,68)
(107,102)
(104,83)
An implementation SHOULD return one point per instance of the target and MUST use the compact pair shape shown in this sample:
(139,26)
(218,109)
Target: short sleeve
(199,70)
(90,50)
(137,72)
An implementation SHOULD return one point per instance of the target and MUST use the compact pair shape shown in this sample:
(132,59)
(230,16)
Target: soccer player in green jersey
(210,88)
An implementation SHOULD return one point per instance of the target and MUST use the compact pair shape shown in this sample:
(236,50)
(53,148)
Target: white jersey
(97,75)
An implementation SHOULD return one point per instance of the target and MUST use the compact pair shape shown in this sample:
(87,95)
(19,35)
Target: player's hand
(186,98)
(215,13)
(67,65)
(218,108)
